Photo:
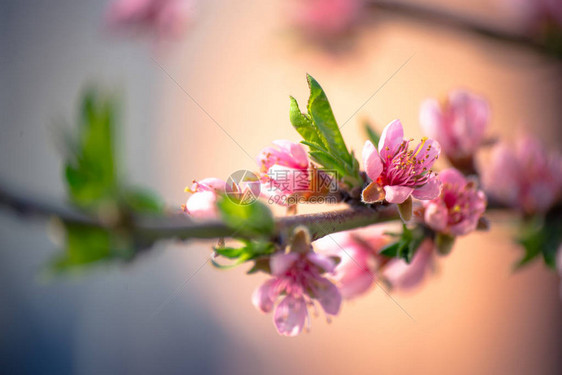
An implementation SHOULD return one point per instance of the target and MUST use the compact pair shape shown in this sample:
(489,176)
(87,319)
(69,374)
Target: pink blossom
(357,270)
(326,18)
(524,176)
(458,124)
(159,17)
(459,206)
(297,277)
(202,203)
(404,276)
(397,172)
(284,168)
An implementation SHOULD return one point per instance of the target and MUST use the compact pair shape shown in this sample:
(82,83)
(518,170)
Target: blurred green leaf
(143,201)
(87,245)
(406,246)
(541,236)
(90,169)
(247,219)
(322,135)
(250,250)
(93,184)
(372,133)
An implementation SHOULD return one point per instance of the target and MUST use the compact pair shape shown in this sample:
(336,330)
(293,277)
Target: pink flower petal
(453,177)
(356,286)
(328,296)
(372,161)
(290,316)
(402,275)
(210,183)
(436,216)
(202,205)
(432,122)
(263,297)
(391,137)
(465,226)
(429,152)
(295,152)
(287,179)
(502,177)
(327,264)
(281,262)
(332,244)
(430,190)
(470,115)
(397,194)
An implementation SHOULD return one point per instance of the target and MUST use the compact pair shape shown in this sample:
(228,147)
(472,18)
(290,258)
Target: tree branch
(454,20)
(180,226)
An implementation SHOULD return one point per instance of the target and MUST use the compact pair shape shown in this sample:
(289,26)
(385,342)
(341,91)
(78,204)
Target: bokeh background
(171,311)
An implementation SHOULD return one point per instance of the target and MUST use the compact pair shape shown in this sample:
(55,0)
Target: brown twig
(454,20)
(182,227)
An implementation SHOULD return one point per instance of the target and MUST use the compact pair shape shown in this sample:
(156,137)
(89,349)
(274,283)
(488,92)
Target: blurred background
(171,311)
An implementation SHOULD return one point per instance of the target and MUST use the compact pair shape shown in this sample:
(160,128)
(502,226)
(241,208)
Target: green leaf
(247,219)
(143,201)
(328,162)
(323,118)
(444,243)
(304,125)
(406,246)
(322,135)
(229,252)
(249,251)
(90,169)
(541,236)
(86,245)
(372,134)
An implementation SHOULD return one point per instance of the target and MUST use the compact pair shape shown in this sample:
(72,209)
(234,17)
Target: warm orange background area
(474,316)
(169,312)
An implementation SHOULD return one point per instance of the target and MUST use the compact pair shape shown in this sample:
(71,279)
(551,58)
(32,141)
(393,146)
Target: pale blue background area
(101,323)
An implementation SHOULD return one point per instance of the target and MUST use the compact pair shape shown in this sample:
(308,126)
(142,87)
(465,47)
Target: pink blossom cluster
(362,266)
(298,279)
(350,263)
(458,124)
(458,208)
(524,176)
(325,18)
(160,18)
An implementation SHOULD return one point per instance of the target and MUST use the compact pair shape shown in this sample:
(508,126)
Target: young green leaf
(86,245)
(143,201)
(320,112)
(406,246)
(247,219)
(249,251)
(304,125)
(541,236)
(322,135)
(90,170)
(372,133)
